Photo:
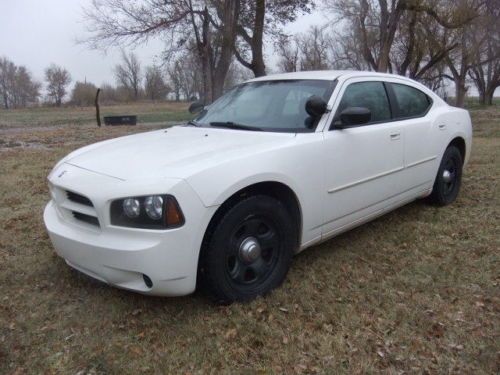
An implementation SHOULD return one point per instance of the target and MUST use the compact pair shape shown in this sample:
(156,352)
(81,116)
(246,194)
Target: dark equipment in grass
(120,120)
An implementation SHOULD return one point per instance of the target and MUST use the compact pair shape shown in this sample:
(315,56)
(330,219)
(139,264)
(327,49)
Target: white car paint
(341,178)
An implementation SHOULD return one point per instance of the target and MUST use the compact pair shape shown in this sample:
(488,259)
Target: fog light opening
(147,281)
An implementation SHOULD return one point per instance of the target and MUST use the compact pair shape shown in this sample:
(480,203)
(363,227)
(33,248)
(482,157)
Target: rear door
(411,108)
(364,163)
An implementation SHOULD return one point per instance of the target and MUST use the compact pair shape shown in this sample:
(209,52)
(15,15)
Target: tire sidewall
(439,194)
(215,255)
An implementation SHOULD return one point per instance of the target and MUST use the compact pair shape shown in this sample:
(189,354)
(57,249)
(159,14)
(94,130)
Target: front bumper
(122,256)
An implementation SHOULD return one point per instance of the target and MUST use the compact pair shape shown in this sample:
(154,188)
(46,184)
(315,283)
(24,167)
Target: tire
(448,179)
(249,250)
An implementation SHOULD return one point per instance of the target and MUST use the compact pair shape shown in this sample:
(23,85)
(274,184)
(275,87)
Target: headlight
(148,212)
(154,207)
(131,207)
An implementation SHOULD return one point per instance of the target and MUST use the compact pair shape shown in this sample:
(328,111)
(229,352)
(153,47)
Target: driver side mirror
(354,116)
(315,106)
(196,107)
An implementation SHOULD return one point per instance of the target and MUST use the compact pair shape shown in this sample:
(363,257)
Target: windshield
(267,105)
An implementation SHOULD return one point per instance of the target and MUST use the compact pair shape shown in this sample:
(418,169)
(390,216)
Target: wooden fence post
(97,111)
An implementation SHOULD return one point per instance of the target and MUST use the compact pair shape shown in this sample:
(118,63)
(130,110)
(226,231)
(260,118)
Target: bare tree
(346,51)
(236,75)
(155,86)
(258,18)
(185,75)
(472,49)
(485,71)
(108,94)
(128,73)
(314,47)
(17,86)
(118,22)
(289,54)
(306,51)
(376,23)
(57,79)
(220,30)
(420,47)
(83,94)
(7,74)
(26,89)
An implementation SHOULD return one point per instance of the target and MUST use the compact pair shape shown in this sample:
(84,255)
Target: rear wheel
(449,178)
(250,250)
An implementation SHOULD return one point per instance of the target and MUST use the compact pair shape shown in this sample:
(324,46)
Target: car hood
(176,152)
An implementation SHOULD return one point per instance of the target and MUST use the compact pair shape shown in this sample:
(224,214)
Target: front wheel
(250,250)
(448,179)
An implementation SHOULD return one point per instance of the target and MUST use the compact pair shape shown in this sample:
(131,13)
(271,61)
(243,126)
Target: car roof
(329,75)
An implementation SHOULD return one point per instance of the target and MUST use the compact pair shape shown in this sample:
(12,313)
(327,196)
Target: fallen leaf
(437,330)
(231,334)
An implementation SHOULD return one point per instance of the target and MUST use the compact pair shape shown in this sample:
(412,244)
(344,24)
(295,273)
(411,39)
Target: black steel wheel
(250,250)
(449,178)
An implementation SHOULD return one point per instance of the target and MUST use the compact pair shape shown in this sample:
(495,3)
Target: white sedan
(276,165)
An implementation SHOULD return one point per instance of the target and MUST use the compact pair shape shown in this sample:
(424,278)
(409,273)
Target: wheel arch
(275,189)
(459,142)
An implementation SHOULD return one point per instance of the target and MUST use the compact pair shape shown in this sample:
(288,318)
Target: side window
(410,101)
(371,95)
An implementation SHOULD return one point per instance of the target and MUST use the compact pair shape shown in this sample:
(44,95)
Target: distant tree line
(19,89)
(213,44)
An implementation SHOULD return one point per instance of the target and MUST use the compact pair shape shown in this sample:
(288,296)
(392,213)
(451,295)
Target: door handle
(395,136)
(442,126)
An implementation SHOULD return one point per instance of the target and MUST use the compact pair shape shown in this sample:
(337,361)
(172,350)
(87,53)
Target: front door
(363,163)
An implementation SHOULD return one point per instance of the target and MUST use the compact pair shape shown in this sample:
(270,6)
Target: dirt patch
(10,144)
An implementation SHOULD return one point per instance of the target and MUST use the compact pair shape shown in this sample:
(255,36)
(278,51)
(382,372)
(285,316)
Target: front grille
(77,198)
(92,220)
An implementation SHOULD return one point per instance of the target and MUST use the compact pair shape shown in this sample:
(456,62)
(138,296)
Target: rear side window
(410,102)
(370,95)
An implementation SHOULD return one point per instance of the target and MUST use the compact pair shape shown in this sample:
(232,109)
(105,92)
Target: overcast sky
(37,33)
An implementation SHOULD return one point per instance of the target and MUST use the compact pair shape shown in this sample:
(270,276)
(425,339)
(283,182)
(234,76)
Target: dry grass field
(147,113)
(414,292)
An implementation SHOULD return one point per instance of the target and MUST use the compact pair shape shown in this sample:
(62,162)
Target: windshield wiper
(234,125)
(193,123)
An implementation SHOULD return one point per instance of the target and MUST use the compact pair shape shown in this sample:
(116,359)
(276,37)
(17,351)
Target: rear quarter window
(410,102)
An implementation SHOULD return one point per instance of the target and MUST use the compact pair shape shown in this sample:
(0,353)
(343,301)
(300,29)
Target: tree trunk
(482,98)
(5,101)
(230,17)
(488,97)
(258,65)
(204,51)
(255,41)
(460,92)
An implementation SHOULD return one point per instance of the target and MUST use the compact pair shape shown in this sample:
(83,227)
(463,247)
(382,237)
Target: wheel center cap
(446,176)
(250,249)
